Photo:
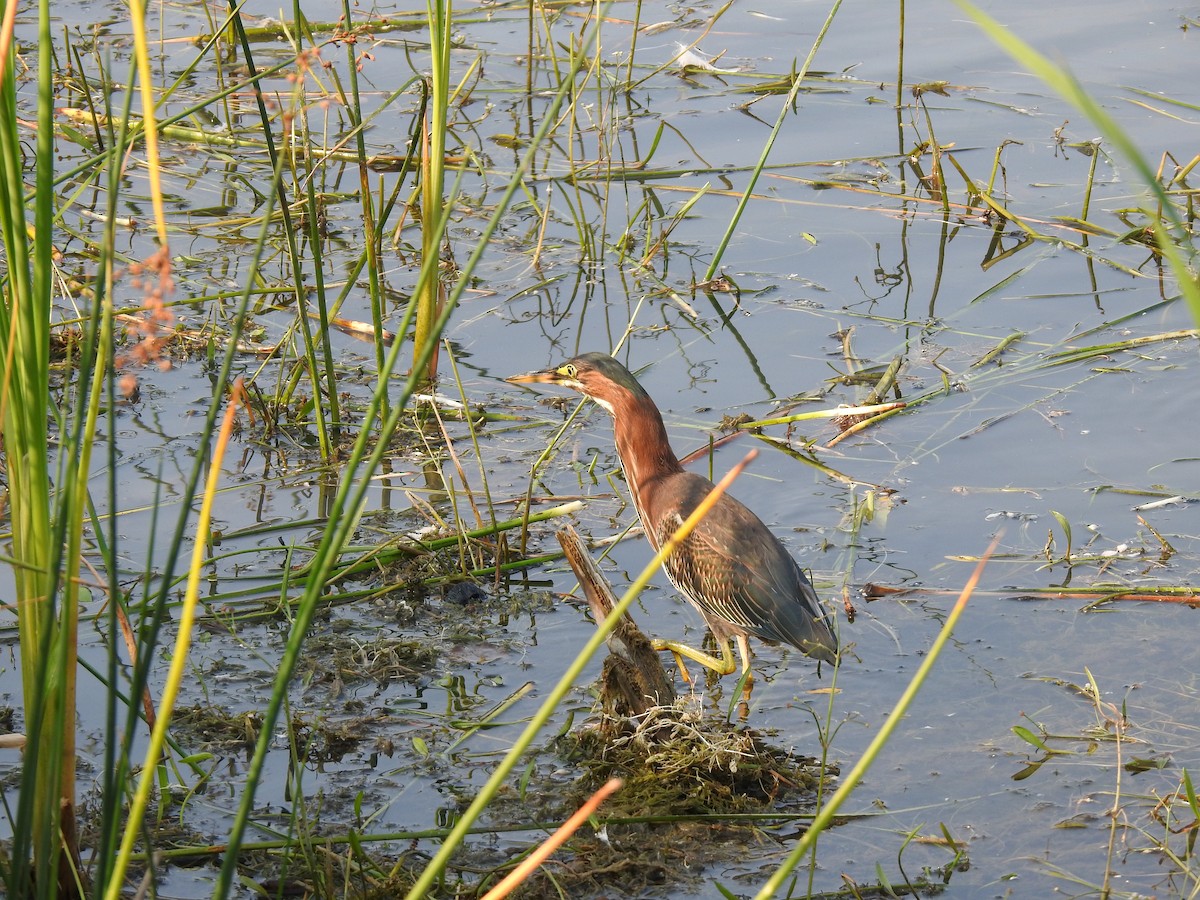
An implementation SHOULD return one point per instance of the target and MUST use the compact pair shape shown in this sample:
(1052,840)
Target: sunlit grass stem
(785,109)
(141,55)
(850,780)
(433,168)
(179,658)
(558,693)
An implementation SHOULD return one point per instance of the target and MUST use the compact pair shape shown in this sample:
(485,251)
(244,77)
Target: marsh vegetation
(284,611)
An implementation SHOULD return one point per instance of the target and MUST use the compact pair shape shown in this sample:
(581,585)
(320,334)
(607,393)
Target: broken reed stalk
(633,678)
(552,843)
(558,693)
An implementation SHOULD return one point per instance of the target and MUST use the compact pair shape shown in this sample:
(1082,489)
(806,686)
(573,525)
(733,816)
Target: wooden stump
(633,678)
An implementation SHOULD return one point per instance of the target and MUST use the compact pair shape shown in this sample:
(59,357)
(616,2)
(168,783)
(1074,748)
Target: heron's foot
(725,665)
(682,666)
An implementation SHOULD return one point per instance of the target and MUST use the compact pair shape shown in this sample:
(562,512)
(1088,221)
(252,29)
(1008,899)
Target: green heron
(731,567)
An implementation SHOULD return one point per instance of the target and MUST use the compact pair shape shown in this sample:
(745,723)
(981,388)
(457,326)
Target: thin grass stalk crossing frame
(179,657)
(850,780)
(352,489)
(559,692)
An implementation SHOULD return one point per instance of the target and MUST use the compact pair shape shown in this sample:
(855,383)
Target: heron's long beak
(546,376)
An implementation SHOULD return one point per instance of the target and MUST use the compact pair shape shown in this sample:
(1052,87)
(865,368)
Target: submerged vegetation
(260,276)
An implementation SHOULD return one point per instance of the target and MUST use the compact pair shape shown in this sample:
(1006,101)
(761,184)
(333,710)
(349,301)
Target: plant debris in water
(685,775)
(345,658)
(675,761)
(214,728)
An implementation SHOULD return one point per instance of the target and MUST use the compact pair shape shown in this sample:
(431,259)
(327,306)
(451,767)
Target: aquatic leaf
(1022,774)
(949,838)
(1093,689)
(960,852)
(523,783)
(1066,527)
(1190,793)
(1073,822)
(1029,737)
(884,884)
(931,87)
(1140,764)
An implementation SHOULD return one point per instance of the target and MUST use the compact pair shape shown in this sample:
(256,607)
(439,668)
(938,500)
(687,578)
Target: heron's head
(595,375)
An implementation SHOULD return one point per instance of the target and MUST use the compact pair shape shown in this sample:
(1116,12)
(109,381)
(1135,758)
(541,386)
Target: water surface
(831,242)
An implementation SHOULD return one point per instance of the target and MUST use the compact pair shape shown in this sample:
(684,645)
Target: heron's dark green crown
(601,376)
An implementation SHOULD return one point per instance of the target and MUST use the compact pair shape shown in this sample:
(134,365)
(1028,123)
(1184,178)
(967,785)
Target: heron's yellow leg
(723,666)
(743,646)
(683,669)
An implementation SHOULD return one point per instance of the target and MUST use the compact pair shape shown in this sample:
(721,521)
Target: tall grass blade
(44,847)
(1174,240)
(850,780)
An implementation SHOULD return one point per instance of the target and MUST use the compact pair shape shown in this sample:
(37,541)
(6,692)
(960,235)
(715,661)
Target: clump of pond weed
(676,761)
(213,728)
(339,658)
(687,777)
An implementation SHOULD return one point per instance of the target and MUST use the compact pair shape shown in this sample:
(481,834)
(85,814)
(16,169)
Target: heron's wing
(733,567)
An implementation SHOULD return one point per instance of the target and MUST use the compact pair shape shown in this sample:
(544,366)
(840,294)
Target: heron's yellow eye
(569,370)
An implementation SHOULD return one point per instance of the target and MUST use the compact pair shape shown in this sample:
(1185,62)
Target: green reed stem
(850,780)
(797,81)
(452,841)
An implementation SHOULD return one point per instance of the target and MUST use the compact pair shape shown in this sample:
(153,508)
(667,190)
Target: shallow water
(1019,441)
